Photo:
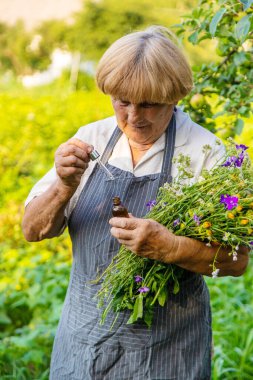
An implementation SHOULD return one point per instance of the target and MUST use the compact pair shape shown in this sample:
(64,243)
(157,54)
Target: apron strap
(168,151)
(111,144)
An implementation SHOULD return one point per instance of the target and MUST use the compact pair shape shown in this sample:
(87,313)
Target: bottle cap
(94,155)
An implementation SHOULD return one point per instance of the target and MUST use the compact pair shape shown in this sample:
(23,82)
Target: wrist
(62,191)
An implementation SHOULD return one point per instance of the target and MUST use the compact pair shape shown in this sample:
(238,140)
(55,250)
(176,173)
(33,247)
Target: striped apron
(177,346)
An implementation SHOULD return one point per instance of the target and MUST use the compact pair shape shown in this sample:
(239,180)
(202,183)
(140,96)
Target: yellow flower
(206,224)
(230,215)
(250,231)
(244,221)
(239,208)
(182,226)
(18,287)
(209,232)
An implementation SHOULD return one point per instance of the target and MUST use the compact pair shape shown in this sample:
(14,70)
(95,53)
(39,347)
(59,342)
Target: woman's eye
(148,105)
(124,103)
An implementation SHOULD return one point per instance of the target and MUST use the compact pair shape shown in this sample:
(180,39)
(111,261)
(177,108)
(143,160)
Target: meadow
(34,276)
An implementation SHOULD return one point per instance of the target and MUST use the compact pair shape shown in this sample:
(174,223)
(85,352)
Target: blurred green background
(35,120)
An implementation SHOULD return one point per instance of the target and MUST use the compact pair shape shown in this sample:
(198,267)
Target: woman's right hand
(71,161)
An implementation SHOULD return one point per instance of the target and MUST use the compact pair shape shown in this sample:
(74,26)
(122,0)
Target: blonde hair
(145,66)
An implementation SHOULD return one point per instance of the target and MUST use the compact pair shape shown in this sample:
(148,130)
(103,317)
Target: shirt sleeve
(215,156)
(42,185)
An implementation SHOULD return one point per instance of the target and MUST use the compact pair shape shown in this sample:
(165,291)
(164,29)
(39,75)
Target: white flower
(215,273)
(226,236)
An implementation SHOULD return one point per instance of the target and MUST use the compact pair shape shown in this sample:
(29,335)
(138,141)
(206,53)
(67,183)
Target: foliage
(33,277)
(217,209)
(227,82)
(93,29)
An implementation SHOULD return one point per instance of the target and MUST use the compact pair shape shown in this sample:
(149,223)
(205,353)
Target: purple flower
(242,146)
(143,289)
(239,160)
(229,202)
(230,161)
(251,243)
(138,278)
(176,222)
(235,160)
(196,219)
(151,204)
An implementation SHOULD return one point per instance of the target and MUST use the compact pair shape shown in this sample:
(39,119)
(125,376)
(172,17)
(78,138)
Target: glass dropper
(94,155)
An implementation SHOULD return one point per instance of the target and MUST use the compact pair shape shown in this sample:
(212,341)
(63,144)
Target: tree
(223,86)
(99,24)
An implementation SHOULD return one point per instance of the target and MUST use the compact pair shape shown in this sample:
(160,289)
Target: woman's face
(142,123)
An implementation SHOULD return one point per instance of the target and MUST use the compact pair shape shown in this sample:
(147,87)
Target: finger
(69,172)
(72,161)
(126,223)
(80,144)
(72,150)
(122,234)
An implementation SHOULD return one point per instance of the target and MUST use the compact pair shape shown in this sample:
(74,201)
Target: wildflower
(239,160)
(206,224)
(215,273)
(151,204)
(209,244)
(226,236)
(230,215)
(244,222)
(138,278)
(235,161)
(234,256)
(229,201)
(143,289)
(251,243)
(176,222)
(242,146)
(239,208)
(196,219)
(230,161)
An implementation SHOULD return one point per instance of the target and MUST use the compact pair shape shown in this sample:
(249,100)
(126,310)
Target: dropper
(94,155)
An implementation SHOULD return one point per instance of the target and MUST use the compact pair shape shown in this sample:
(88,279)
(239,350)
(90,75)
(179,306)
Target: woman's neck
(138,151)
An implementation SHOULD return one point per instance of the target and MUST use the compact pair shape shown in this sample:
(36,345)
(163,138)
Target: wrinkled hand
(71,161)
(145,237)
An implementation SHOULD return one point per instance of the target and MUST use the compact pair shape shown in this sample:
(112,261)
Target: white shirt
(190,138)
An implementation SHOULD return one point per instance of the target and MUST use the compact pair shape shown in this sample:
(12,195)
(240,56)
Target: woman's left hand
(148,238)
(145,237)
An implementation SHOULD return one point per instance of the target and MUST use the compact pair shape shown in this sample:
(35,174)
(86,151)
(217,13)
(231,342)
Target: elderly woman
(145,75)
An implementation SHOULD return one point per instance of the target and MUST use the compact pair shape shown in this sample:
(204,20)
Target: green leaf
(138,310)
(162,297)
(176,286)
(215,21)
(148,317)
(239,126)
(246,4)
(193,38)
(242,28)
(4,319)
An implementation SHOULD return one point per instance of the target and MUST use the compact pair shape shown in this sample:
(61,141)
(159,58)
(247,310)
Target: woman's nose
(134,113)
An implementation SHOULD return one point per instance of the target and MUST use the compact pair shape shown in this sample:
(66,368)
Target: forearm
(44,215)
(197,257)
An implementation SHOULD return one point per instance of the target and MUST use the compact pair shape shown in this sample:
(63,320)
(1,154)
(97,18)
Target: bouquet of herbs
(218,209)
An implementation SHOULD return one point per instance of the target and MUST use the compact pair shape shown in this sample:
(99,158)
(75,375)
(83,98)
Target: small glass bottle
(118,209)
